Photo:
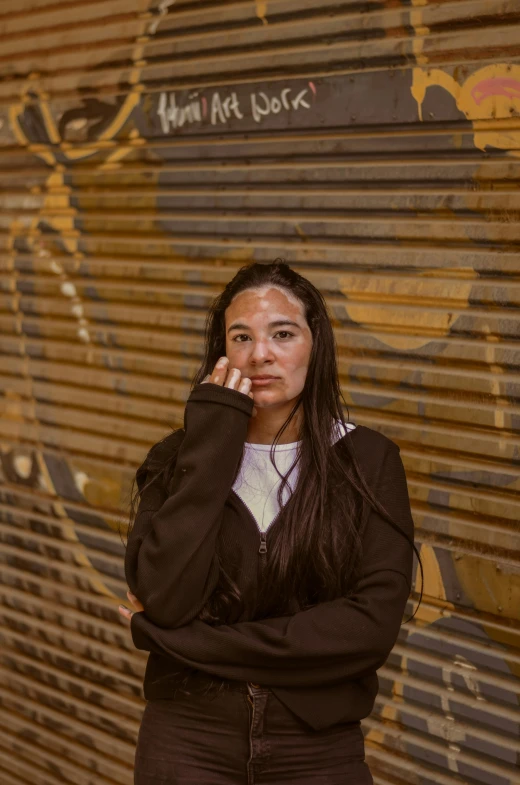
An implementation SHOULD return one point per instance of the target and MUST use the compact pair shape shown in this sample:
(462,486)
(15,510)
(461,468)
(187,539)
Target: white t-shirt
(257,482)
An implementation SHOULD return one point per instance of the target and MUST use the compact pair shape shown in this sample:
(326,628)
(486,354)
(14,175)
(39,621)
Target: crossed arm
(335,640)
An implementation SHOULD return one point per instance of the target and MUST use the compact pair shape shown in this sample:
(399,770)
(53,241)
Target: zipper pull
(263,543)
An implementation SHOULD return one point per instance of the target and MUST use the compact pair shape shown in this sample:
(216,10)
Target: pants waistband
(199,680)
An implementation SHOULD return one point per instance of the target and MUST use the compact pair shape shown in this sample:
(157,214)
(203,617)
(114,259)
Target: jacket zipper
(263,535)
(263,546)
(263,543)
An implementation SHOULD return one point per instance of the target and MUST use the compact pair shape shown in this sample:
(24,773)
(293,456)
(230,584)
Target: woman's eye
(244,335)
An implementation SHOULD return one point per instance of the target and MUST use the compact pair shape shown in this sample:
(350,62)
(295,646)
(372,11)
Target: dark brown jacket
(319,662)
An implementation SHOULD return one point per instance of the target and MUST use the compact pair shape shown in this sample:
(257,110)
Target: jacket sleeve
(341,639)
(171,563)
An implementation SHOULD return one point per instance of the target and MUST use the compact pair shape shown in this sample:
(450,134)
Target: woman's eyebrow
(277,323)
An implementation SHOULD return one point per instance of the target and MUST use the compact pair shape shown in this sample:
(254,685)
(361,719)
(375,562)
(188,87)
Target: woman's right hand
(230,377)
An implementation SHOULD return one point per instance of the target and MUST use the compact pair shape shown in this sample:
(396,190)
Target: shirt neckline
(285,446)
(292,445)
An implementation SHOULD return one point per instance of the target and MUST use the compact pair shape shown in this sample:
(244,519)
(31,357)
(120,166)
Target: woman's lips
(263,382)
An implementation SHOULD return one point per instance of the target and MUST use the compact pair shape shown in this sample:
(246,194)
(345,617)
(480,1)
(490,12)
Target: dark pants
(243,736)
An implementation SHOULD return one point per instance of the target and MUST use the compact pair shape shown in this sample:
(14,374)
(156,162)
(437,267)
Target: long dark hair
(316,554)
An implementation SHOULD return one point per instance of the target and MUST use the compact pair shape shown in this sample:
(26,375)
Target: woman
(267,599)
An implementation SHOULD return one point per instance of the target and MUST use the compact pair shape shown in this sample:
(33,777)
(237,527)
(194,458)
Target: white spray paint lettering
(263,105)
(173,116)
(222,110)
(219,109)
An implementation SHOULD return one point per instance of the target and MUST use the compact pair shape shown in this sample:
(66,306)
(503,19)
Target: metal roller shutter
(147,151)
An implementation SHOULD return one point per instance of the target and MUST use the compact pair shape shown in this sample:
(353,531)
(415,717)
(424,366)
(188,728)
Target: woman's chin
(264,398)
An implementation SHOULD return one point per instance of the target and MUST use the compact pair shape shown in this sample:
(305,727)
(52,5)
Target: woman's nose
(260,351)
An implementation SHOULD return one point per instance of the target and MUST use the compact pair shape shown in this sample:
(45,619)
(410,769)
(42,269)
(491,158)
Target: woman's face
(267,334)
